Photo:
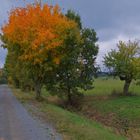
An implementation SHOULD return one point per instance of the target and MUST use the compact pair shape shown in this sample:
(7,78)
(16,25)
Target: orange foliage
(37,30)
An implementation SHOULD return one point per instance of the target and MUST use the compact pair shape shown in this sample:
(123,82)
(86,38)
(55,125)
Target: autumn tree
(125,62)
(34,33)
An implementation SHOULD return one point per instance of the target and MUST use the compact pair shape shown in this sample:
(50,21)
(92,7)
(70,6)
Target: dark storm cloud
(113,20)
(116,16)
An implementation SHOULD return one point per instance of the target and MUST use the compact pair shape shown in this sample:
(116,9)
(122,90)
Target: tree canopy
(47,47)
(33,35)
(124,62)
(77,68)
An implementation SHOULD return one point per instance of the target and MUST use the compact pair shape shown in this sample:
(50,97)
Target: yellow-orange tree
(35,33)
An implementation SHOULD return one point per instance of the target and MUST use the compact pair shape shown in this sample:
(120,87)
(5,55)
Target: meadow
(100,116)
(105,104)
(106,85)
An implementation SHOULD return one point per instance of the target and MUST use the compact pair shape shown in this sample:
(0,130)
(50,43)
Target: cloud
(113,20)
(3,53)
(108,45)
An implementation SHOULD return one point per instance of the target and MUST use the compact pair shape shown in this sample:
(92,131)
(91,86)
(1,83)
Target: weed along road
(15,122)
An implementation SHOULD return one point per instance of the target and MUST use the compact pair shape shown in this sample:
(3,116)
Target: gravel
(17,124)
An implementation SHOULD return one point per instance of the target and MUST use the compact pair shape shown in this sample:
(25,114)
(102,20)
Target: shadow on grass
(116,93)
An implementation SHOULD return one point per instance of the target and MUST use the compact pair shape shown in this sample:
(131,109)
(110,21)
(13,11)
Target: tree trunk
(126,87)
(69,96)
(38,90)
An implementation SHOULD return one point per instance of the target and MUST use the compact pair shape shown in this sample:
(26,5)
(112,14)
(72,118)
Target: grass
(104,86)
(98,109)
(126,107)
(120,112)
(77,127)
(71,125)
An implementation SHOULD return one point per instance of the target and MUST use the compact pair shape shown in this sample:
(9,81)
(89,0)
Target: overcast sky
(113,20)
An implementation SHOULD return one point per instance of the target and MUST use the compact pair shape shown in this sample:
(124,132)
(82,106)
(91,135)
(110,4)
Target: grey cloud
(112,19)
(108,17)
(3,53)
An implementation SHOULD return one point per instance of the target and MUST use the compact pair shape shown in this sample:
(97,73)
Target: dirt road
(15,122)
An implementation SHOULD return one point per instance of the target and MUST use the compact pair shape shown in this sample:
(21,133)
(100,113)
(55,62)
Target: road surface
(15,122)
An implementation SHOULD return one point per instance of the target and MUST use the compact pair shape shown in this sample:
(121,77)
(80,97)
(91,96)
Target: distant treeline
(3,77)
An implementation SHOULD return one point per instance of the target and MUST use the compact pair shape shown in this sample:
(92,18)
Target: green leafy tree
(3,76)
(73,16)
(77,66)
(124,62)
(11,67)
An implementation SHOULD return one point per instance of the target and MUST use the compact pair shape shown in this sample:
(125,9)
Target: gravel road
(16,123)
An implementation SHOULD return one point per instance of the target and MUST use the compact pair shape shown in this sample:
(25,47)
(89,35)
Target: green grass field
(102,116)
(120,112)
(105,86)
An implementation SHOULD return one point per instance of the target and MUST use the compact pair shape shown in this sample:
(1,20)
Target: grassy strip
(70,125)
(124,107)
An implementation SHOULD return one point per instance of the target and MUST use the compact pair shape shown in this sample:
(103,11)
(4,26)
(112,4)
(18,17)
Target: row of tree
(52,49)
(47,47)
